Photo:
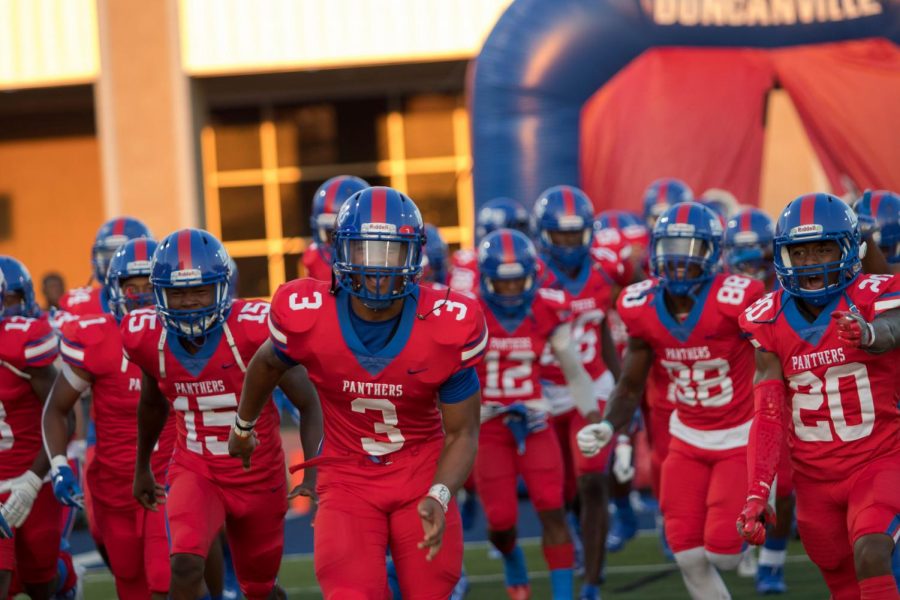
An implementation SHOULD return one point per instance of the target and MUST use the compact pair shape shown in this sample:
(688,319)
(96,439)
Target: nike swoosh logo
(227,365)
(416,371)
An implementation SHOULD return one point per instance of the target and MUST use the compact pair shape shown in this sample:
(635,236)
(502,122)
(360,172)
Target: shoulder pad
(88,329)
(875,294)
(732,294)
(296,304)
(555,299)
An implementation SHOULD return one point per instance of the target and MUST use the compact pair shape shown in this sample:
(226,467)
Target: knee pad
(691,560)
(724,562)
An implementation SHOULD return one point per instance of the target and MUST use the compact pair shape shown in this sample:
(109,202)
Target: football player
(193,351)
(394,365)
(327,201)
(90,300)
(832,336)
(660,195)
(27,349)
(19,300)
(685,321)
(91,348)
(498,213)
(563,216)
(515,438)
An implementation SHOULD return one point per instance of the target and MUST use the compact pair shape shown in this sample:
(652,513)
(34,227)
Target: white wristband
(441,493)
(58,461)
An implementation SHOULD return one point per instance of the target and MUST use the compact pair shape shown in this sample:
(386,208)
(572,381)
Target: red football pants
(498,464)
(138,549)
(702,494)
(656,420)
(832,515)
(197,508)
(34,547)
(366,509)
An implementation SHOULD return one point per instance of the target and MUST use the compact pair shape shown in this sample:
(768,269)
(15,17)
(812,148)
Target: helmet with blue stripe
(109,238)
(879,211)
(18,281)
(501,213)
(817,218)
(507,254)
(191,258)
(437,253)
(685,249)
(748,243)
(327,202)
(133,259)
(564,211)
(378,242)
(663,193)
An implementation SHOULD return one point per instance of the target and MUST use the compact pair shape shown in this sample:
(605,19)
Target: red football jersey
(843,400)
(376,404)
(463,276)
(610,250)
(83,301)
(316,266)
(205,404)
(24,343)
(94,343)
(708,360)
(588,307)
(509,372)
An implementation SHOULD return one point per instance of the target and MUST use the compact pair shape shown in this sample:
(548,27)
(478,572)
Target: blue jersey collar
(810,332)
(681,330)
(195,363)
(375,362)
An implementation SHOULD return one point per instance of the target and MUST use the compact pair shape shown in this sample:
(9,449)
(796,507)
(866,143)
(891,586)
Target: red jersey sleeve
(756,319)
(140,338)
(78,338)
(875,294)
(295,308)
(31,341)
(632,305)
(459,326)
(735,293)
(550,310)
(252,316)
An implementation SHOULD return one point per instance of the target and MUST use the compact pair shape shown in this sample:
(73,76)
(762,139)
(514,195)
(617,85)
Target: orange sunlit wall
(57,204)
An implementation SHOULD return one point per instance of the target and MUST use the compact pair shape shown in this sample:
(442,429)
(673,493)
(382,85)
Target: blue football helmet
(626,223)
(234,280)
(507,254)
(501,213)
(18,281)
(437,252)
(661,194)
(327,202)
(879,212)
(722,202)
(191,258)
(133,259)
(378,242)
(684,252)
(748,244)
(566,209)
(815,218)
(109,238)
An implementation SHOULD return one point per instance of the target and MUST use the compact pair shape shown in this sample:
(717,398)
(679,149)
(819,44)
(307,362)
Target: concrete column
(143,108)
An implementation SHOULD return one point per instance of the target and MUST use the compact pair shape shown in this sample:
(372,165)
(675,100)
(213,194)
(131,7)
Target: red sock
(882,587)
(560,556)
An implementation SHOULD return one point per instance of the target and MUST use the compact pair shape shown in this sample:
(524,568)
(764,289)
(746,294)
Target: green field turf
(637,573)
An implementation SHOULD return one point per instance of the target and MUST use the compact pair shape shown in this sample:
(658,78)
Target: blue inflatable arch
(545,58)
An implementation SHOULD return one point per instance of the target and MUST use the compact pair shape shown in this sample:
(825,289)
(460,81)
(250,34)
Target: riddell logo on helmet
(114,241)
(680,228)
(746,237)
(571,222)
(805,230)
(186,276)
(138,265)
(379,228)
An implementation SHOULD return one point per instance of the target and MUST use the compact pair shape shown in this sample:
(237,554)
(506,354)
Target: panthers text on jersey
(842,400)
(204,389)
(94,343)
(377,405)
(706,357)
(83,301)
(509,372)
(315,264)
(24,343)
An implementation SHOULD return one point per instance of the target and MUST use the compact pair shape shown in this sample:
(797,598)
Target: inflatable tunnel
(611,94)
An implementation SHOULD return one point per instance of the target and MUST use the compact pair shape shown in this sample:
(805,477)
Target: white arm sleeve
(580,383)
(74,380)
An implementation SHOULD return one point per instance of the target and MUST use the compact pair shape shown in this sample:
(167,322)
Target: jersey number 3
(387,427)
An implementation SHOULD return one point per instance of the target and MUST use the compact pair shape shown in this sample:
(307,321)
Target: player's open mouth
(812,282)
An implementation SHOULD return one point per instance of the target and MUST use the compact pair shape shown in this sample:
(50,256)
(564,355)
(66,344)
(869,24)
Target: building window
(263,164)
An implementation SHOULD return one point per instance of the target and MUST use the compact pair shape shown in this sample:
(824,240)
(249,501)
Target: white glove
(622,467)
(592,438)
(22,492)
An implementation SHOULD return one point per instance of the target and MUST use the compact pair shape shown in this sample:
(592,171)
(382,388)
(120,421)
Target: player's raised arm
(566,352)
(70,383)
(153,410)
(623,402)
(302,394)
